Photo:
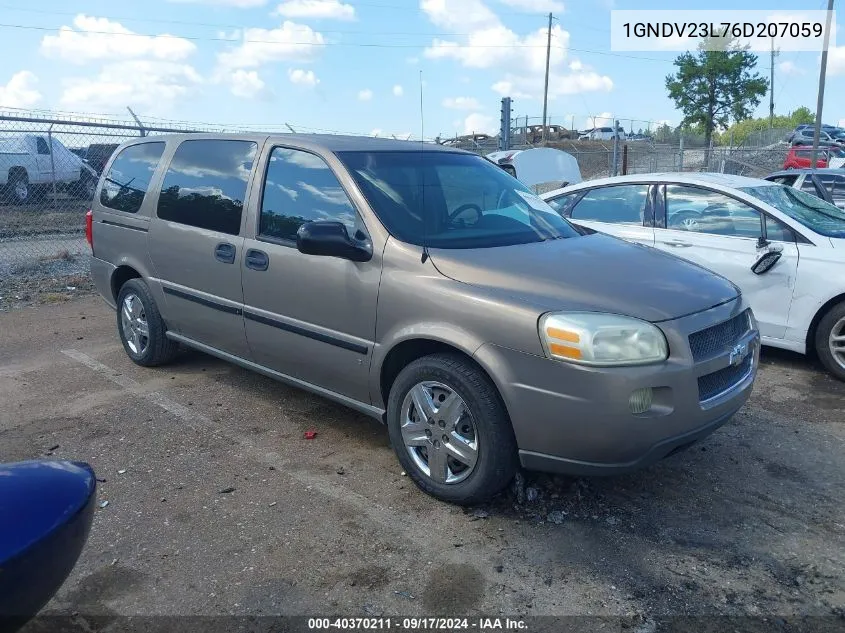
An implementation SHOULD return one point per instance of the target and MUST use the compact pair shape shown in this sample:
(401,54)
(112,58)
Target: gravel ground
(218,505)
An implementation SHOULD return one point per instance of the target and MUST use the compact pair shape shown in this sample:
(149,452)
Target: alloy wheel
(439,433)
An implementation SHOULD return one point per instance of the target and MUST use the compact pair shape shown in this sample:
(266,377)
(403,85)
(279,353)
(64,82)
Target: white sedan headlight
(596,338)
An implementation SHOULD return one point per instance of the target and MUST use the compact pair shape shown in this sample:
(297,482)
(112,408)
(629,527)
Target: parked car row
(801,156)
(424,286)
(782,246)
(828,135)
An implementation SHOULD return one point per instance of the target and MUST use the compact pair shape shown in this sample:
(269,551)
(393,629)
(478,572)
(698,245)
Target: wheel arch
(814,324)
(120,276)
(406,351)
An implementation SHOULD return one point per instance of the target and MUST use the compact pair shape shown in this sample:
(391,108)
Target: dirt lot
(749,522)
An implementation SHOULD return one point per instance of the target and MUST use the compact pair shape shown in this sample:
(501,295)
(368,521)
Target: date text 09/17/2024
(481,625)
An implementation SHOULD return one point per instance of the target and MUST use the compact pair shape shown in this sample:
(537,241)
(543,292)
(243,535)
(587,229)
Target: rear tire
(141,328)
(830,340)
(476,425)
(19,189)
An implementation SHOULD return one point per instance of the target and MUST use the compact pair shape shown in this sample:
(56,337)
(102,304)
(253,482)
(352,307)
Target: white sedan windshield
(814,213)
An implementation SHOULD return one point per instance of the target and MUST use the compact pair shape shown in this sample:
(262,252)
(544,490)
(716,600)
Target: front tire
(141,328)
(830,340)
(450,430)
(20,191)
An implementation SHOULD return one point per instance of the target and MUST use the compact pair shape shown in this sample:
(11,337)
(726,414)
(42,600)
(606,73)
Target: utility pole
(822,72)
(772,88)
(546,89)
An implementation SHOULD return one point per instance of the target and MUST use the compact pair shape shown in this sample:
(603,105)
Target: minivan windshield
(452,200)
(814,213)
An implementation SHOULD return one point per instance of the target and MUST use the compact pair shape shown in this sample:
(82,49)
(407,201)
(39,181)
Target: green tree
(714,87)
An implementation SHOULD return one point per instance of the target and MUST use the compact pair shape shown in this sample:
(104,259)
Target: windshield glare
(452,200)
(814,213)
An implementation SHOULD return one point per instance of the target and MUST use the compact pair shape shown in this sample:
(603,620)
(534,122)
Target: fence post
(681,153)
(615,167)
(625,159)
(52,161)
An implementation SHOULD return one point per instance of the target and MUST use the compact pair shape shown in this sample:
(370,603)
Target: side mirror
(331,239)
(765,262)
(46,509)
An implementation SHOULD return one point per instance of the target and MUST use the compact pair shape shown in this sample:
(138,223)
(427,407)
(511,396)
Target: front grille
(713,384)
(718,338)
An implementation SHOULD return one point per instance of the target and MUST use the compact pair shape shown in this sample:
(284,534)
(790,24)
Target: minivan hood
(596,273)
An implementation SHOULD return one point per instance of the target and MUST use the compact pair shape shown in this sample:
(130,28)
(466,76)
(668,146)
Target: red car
(799,157)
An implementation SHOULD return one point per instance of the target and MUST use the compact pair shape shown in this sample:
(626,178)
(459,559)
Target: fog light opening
(641,400)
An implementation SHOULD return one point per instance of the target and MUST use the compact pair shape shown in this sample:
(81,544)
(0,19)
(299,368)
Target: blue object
(46,509)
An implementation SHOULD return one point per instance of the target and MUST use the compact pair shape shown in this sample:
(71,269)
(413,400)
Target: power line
(253,41)
(232,40)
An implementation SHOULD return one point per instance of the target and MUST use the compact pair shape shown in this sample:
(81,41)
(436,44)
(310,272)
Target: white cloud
(789,68)
(477,122)
(150,85)
(461,103)
(489,44)
(303,77)
(459,15)
(365,95)
(841,123)
(836,60)
(259,46)
(560,84)
(377,132)
(101,38)
(246,83)
(605,119)
(239,4)
(413,60)
(20,91)
(316,9)
(398,90)
(540,6)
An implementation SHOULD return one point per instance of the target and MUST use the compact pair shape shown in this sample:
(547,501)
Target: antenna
(422,115)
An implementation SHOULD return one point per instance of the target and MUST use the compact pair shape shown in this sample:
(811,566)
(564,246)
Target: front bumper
(577,420)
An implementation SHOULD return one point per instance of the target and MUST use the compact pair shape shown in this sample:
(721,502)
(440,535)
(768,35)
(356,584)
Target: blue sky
(350,66)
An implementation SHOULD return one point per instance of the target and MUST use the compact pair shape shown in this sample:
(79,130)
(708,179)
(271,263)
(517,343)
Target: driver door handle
(678,244)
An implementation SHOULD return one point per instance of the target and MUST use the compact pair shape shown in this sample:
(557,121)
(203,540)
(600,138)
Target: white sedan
(783,247)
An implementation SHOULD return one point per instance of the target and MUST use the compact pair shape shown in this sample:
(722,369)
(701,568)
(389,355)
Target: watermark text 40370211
(683,30)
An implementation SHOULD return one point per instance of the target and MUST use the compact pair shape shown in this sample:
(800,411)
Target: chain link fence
(49,168)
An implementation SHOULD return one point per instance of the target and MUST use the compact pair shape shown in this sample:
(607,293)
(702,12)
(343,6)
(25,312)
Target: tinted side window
(300,187)
(803,153)
(205,184)
(624,204)
(705,211)
(41,146)
(126,184)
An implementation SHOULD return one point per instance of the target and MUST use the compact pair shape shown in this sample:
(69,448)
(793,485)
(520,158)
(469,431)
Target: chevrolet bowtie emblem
(738,354)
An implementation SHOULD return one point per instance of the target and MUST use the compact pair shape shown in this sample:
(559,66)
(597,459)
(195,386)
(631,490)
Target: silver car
(425,287)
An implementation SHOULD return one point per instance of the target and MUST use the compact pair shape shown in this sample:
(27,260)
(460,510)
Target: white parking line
(392,520)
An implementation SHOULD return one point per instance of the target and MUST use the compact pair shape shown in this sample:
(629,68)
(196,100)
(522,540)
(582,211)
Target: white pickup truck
(31,163)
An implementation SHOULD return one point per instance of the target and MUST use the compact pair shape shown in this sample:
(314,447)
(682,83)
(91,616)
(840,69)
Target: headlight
(595,338)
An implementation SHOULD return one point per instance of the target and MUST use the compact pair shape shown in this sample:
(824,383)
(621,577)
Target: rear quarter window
(126,183)
(205,184)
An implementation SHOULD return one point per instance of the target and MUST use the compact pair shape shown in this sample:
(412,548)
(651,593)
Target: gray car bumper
(577,420)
